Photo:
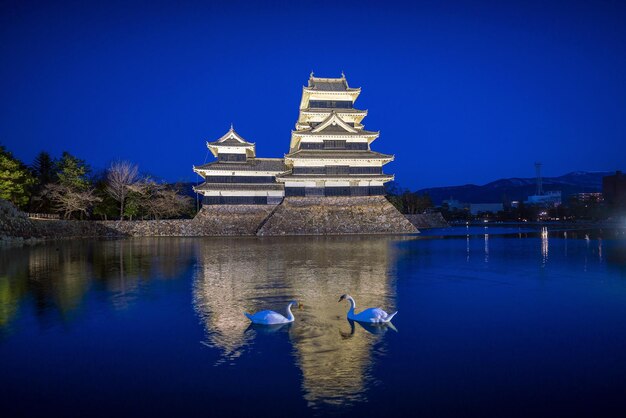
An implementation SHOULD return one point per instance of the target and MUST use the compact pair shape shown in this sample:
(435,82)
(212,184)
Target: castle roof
(329,84)
(231,139)
(252,164)
(336,110)
(238,186)
(339,155)
(336,176)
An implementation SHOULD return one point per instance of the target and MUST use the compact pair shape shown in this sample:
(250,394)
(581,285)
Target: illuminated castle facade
(329,155)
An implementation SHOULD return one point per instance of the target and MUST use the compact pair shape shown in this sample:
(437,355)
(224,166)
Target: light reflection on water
(112,292)
(334,356)
(58,276)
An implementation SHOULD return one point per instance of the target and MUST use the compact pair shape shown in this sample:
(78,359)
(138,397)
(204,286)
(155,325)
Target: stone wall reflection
(240,274)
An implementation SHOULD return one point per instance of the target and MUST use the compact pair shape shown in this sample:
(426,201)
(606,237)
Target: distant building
(614,189)
(547,199)
(477,208)
(589,197)
(238,177)
(454,204)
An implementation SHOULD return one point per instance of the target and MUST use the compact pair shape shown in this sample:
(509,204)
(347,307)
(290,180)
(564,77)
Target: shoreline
(591,224)
(293,217)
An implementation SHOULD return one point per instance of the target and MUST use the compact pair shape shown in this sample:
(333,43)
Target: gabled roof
(231,139)
(335,130)
(329,84)
(333,123)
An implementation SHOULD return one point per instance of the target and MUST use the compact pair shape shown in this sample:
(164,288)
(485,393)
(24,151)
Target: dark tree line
(67,186)
(407,201)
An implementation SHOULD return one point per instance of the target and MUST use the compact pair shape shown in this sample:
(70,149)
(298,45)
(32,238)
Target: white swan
(271,317)
(371,315)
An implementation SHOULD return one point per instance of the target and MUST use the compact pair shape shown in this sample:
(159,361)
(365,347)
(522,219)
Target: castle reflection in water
(335,357)
(58,282)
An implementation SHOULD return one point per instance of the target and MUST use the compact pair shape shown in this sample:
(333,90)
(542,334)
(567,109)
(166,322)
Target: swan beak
(340,299)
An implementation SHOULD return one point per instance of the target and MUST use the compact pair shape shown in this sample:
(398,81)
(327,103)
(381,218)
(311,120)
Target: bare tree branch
(68,200)
(122,176)
(158,200)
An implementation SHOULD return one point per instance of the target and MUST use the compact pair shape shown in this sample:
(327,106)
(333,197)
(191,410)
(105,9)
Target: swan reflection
(335,361)
(376,329)
(268,329)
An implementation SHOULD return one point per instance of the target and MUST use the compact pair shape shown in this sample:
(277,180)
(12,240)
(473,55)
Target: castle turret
(237,176)
(330,152)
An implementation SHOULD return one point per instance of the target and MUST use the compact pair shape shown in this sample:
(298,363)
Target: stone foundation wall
(428,220)
(212,220)
(232,219)
(295,216)
(335,216)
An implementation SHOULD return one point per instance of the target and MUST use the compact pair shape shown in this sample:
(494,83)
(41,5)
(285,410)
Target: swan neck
(289,314)
(352,303)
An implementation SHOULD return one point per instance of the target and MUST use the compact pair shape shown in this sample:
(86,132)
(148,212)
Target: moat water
(492,322)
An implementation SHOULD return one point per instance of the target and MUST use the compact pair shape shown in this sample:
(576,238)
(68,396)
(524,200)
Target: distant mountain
(496,191)
(519,188)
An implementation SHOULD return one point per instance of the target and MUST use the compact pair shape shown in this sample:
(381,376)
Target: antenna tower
(539,181)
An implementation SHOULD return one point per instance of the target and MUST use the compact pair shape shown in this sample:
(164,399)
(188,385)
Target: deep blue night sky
(461,92)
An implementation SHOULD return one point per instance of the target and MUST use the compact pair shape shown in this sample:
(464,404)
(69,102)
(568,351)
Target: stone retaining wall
(212,220)
(335,216)
(295,216)
(428,220)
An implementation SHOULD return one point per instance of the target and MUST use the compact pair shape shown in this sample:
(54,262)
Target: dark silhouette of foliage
(16,181)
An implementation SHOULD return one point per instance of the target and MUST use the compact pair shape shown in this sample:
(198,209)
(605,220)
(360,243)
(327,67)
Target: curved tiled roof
(336,176)
(329,84)
(231,139)
(231,142)
(336,130)
(339,154)
(238,186)
(252,164)
(335,109)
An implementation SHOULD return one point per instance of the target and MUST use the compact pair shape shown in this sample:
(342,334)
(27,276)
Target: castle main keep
(330,181)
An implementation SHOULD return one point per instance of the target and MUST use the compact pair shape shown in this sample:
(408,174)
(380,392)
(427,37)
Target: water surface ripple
(504,321)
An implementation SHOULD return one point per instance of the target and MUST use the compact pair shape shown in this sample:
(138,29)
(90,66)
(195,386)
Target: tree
(72,172)
(393,193)
(159,200)
(172,204)
(122,176)
(70,200)
(415,203)
(44,170)
(15,179)
(133,205)
(107,208)
(72,193)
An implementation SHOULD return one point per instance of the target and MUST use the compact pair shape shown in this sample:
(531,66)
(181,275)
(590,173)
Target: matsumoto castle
(329,155)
